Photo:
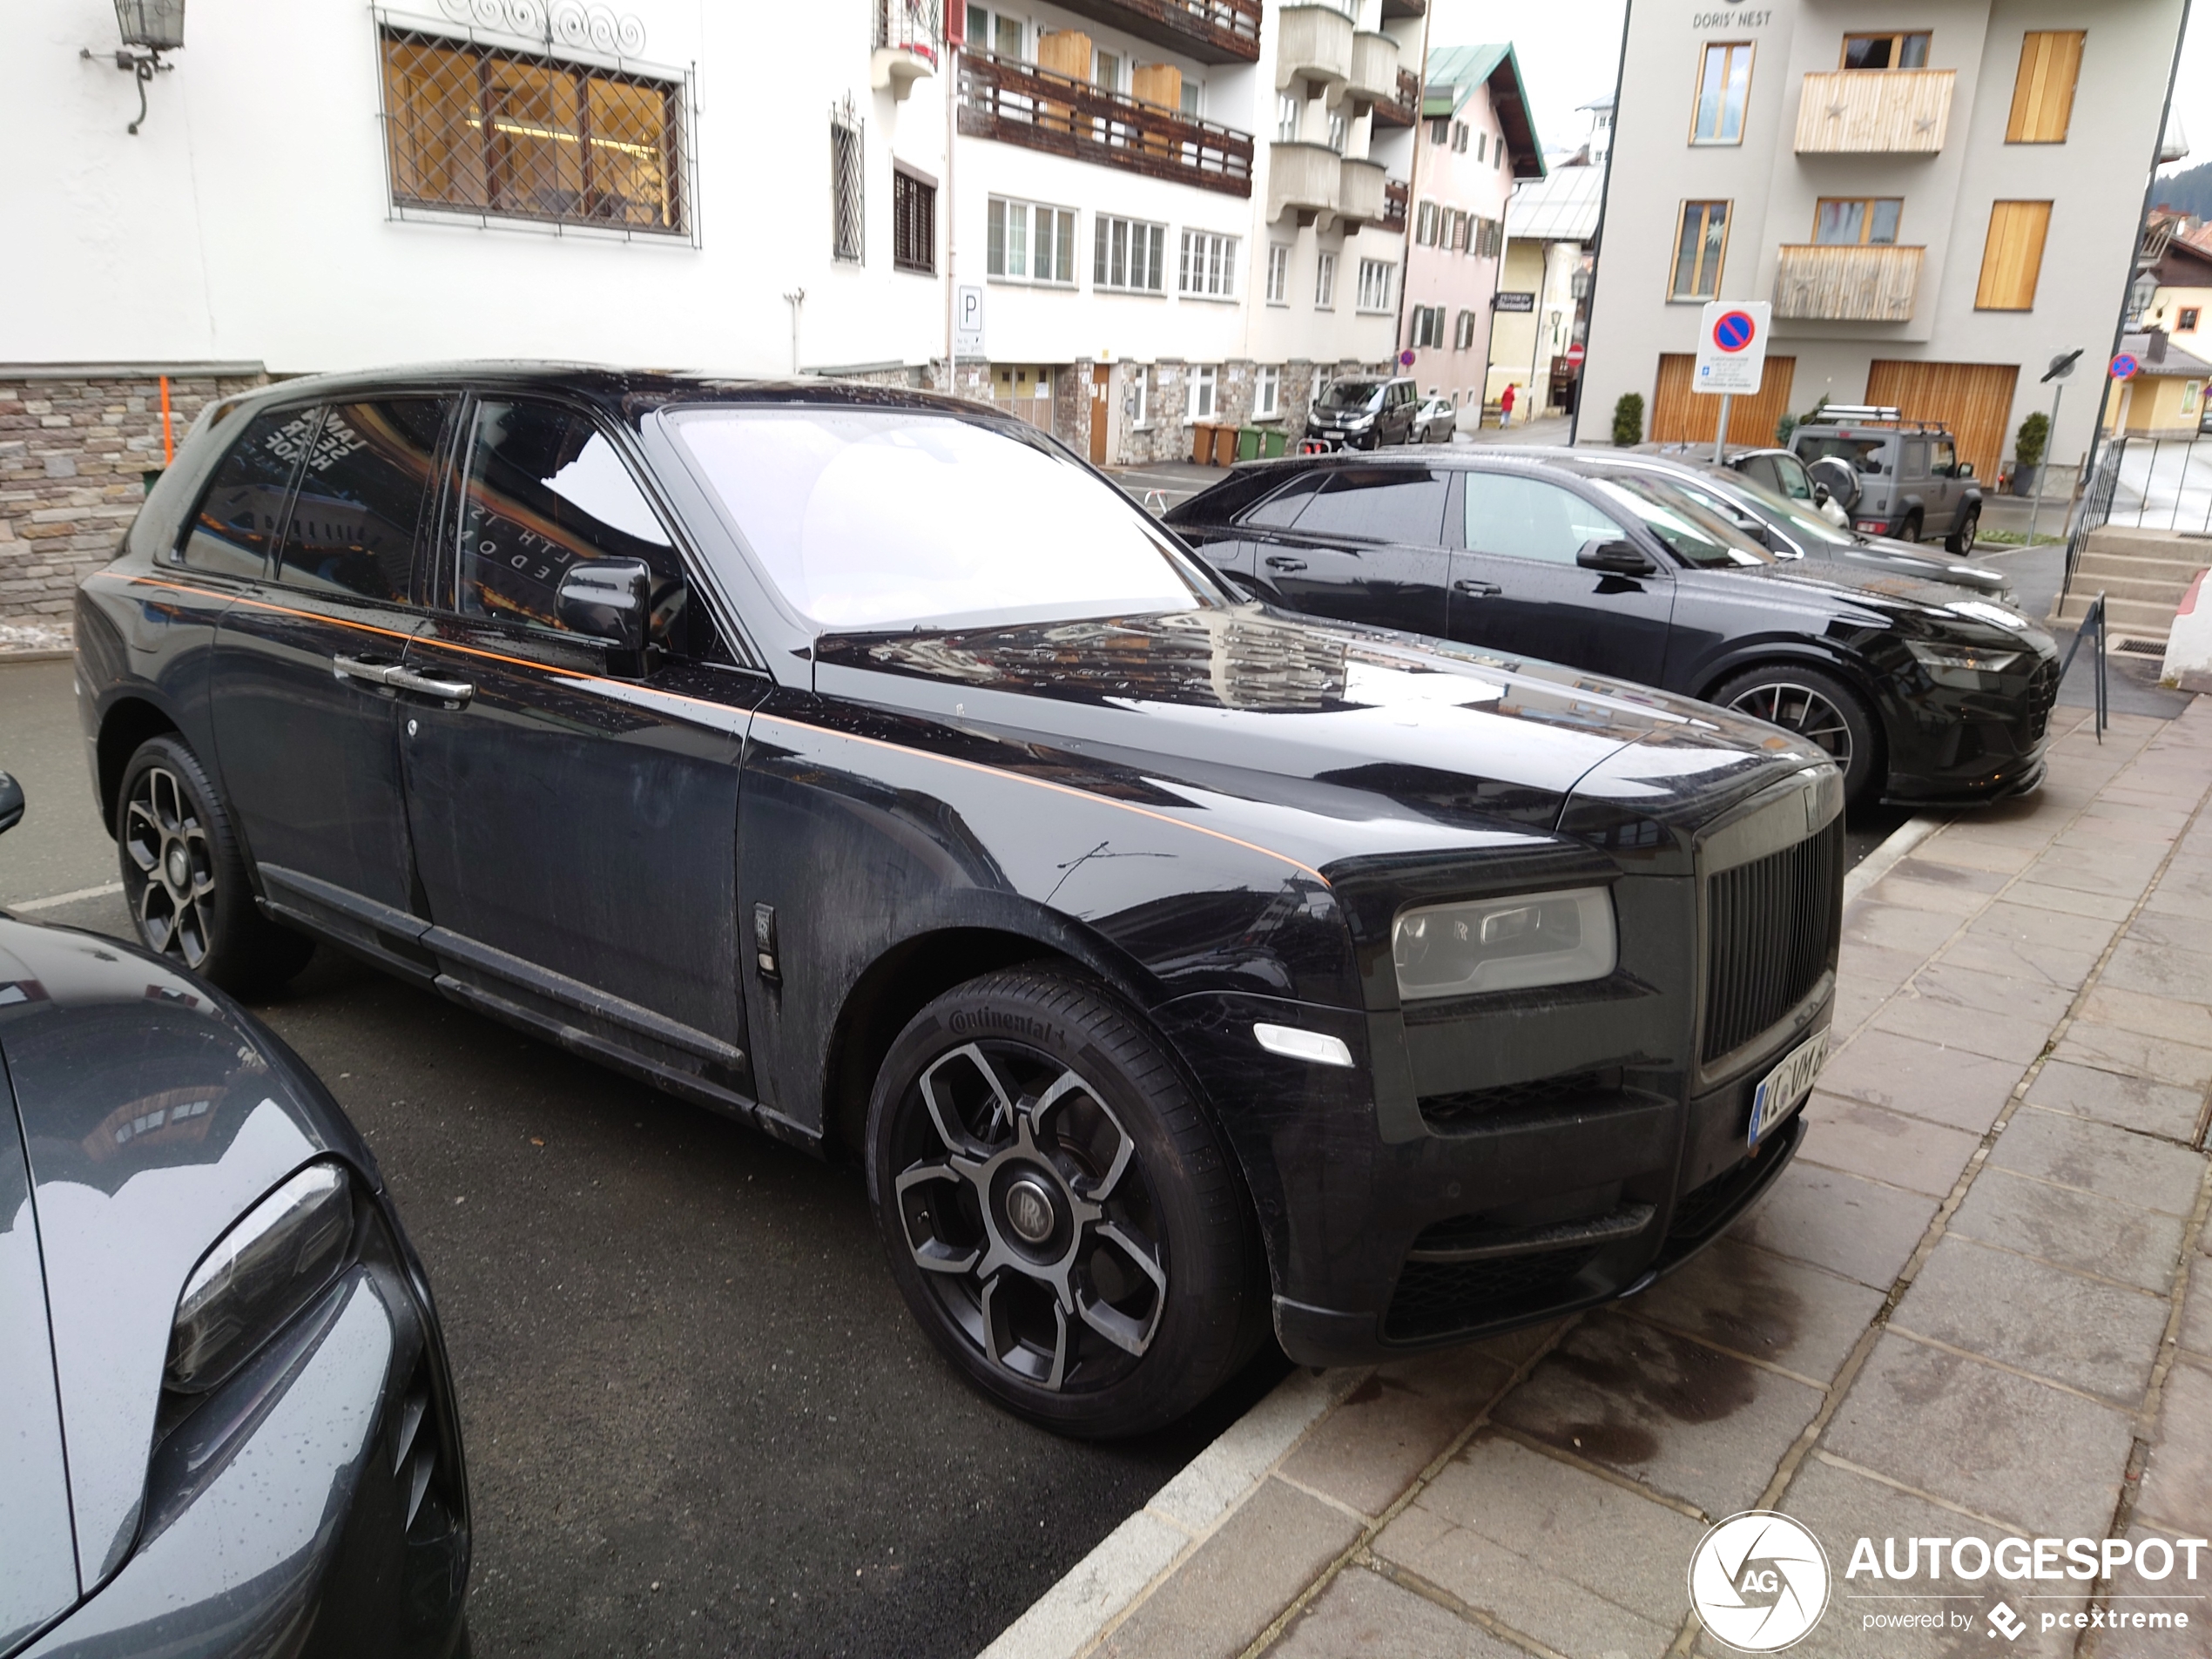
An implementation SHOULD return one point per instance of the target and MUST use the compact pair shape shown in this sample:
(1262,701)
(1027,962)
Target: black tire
(1909,530)
(185,875)
(1963,533)
(1813,703)
(1167,1305)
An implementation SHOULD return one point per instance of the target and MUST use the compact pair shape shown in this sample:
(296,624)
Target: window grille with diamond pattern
(849,155)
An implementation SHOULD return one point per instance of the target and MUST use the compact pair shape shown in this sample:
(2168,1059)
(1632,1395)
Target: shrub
(2030,441)
(1782,428)
(1627,421)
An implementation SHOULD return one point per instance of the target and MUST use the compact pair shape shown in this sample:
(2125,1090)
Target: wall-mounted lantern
(149,28)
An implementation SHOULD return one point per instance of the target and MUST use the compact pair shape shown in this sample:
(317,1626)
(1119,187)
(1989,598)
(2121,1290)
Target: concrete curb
(8,657)
(1885,858)
(1071,1617)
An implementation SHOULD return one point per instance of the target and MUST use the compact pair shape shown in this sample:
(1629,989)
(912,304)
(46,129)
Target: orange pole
(168,436)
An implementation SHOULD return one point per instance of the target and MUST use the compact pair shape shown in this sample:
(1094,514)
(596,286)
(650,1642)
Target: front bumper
(314,1504)
(1949,747)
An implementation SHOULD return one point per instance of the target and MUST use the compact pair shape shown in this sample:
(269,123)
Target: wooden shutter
(1974,400)
(2043,92)
(1681,415)
(2011,258)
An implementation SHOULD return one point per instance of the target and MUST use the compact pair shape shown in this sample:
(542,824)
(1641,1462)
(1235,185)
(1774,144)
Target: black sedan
(227,1423)
(859,764)
(1921,693)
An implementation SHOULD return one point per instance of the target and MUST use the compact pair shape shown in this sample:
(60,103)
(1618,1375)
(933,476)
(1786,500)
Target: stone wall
(73,456)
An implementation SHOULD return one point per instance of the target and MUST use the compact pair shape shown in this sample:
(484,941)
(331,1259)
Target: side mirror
(1842,481)
(10,803)
(1614,558)
(609,599)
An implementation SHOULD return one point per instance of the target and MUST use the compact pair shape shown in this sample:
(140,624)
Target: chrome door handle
(355,668)
(1475,589)
(406,680)
(1284,561)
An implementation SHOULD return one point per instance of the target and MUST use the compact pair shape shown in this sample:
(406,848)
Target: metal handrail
(2093,617)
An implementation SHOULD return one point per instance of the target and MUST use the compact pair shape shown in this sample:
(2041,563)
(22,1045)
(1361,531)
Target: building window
(1209,267)
(914,222)
(1198,397)
(1278,273)
(1701,243)
(2011,258)
(1106,73)
(1126,254)
(1459,138)
(2186,324)
(1267,393)
(1324,282)
(1857,221)
(1428,329)
(2043,90)
(1338,130)
(1886,50)
(999,35)
(1023,391)
(531,137)
(1030,242)
(1724,88)
(1140,395)
(1463,333)
(1460,223)
(1377,278)
(1482,146)
(1424,220)
(1286,117)
(848,154)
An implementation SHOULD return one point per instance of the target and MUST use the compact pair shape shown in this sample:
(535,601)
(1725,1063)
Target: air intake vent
(1771,932)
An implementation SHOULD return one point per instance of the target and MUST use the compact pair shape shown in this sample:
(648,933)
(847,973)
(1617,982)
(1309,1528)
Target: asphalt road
(698,1416)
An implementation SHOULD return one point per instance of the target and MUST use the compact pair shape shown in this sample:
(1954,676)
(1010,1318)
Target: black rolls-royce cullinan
(861,765)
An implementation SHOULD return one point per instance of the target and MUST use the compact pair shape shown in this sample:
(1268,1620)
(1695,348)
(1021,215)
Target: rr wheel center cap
(1030,1213)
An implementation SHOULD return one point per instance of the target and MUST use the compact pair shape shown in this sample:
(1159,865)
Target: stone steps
(2142,574)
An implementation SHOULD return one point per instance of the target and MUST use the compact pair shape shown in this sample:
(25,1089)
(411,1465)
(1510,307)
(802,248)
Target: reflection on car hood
(1909,559)
(1882,583)
(155,1113)
(1382,741)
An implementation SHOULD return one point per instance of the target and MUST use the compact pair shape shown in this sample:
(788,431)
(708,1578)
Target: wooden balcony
(1018,103)
(1874,112)
(1816,283)
(1314,43)
(1213,32)
(1396,199)
(1404,107)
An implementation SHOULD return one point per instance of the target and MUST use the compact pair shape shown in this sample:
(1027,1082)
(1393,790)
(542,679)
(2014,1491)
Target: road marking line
(54,899)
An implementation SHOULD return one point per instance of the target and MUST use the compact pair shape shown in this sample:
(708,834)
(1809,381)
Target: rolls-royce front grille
(1771,932)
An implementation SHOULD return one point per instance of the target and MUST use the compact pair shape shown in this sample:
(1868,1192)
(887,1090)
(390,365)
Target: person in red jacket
(1505,408)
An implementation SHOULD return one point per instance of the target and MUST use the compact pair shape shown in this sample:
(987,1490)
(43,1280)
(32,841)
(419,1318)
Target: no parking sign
(1731,347)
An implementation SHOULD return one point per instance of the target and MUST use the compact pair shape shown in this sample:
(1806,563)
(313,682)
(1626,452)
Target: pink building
(1475,143)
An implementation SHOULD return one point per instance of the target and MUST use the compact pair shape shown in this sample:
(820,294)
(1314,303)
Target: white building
(1177,213)
(1935,204)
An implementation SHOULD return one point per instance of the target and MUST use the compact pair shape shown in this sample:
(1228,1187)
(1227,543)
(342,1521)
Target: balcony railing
(1819,283)
(1213,32)
(1019,103)
(1874,112)
(1396,199)
(907,38)
(1405,108)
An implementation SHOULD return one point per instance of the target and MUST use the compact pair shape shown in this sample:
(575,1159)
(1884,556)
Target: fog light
(1318,1046)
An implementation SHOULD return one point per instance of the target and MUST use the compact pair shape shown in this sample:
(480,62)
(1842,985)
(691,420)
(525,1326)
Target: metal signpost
(1731,354)
(2061,365)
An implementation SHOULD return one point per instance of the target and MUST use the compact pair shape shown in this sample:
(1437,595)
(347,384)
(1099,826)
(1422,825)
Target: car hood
(154,1113)
(1882,555)
(1343,741)
(1888,586)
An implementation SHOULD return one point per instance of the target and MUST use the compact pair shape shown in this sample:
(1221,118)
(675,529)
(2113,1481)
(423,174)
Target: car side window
(242,507)
(1527,518)
(1790,477)
(1380,504)
(1914,462)
(364,482)
(1280,510)
(1945,463)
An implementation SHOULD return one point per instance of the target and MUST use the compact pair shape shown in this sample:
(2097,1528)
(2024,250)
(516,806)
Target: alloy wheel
(1022,1197)
(1803,710)
(167,845)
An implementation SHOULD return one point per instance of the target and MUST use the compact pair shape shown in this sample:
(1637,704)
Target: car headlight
(1359,419)
(270,1263)
(1962,666)
(1504,944)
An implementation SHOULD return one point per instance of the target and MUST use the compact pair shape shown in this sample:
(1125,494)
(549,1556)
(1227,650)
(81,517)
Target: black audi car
(1921,693)
(860,765)
(226,1422)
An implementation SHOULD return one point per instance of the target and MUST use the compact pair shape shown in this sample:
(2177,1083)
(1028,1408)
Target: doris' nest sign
(1731,347)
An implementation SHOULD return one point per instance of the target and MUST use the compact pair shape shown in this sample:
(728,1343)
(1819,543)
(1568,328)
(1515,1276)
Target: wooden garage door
(1681,415)
(1974,400)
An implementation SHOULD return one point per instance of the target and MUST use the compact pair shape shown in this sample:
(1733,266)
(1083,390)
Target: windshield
(1350,394)
(1864,454)
(1807,526)
(876,519)
(1697,535)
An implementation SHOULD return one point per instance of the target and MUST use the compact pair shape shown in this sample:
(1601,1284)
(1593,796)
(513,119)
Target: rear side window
(1380,504)
(243,507)
(1280,511)
(1527,518)
(364,488)
(1865,454)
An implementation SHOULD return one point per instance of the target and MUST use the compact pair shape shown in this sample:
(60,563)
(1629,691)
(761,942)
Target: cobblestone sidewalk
(1976,1305)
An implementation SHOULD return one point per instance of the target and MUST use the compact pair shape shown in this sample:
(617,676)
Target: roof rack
(1870,415)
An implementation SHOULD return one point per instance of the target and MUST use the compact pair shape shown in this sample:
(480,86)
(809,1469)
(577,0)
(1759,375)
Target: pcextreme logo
(1759,1581)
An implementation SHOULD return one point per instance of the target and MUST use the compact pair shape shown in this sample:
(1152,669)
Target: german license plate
(1784,1090)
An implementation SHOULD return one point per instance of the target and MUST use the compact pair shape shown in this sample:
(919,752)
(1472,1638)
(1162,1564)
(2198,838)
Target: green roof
(1454,73)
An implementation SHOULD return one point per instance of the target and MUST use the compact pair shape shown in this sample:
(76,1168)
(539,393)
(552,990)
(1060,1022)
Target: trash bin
(1273,442)
(1202,445)
(1224,446)
(1248,443)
